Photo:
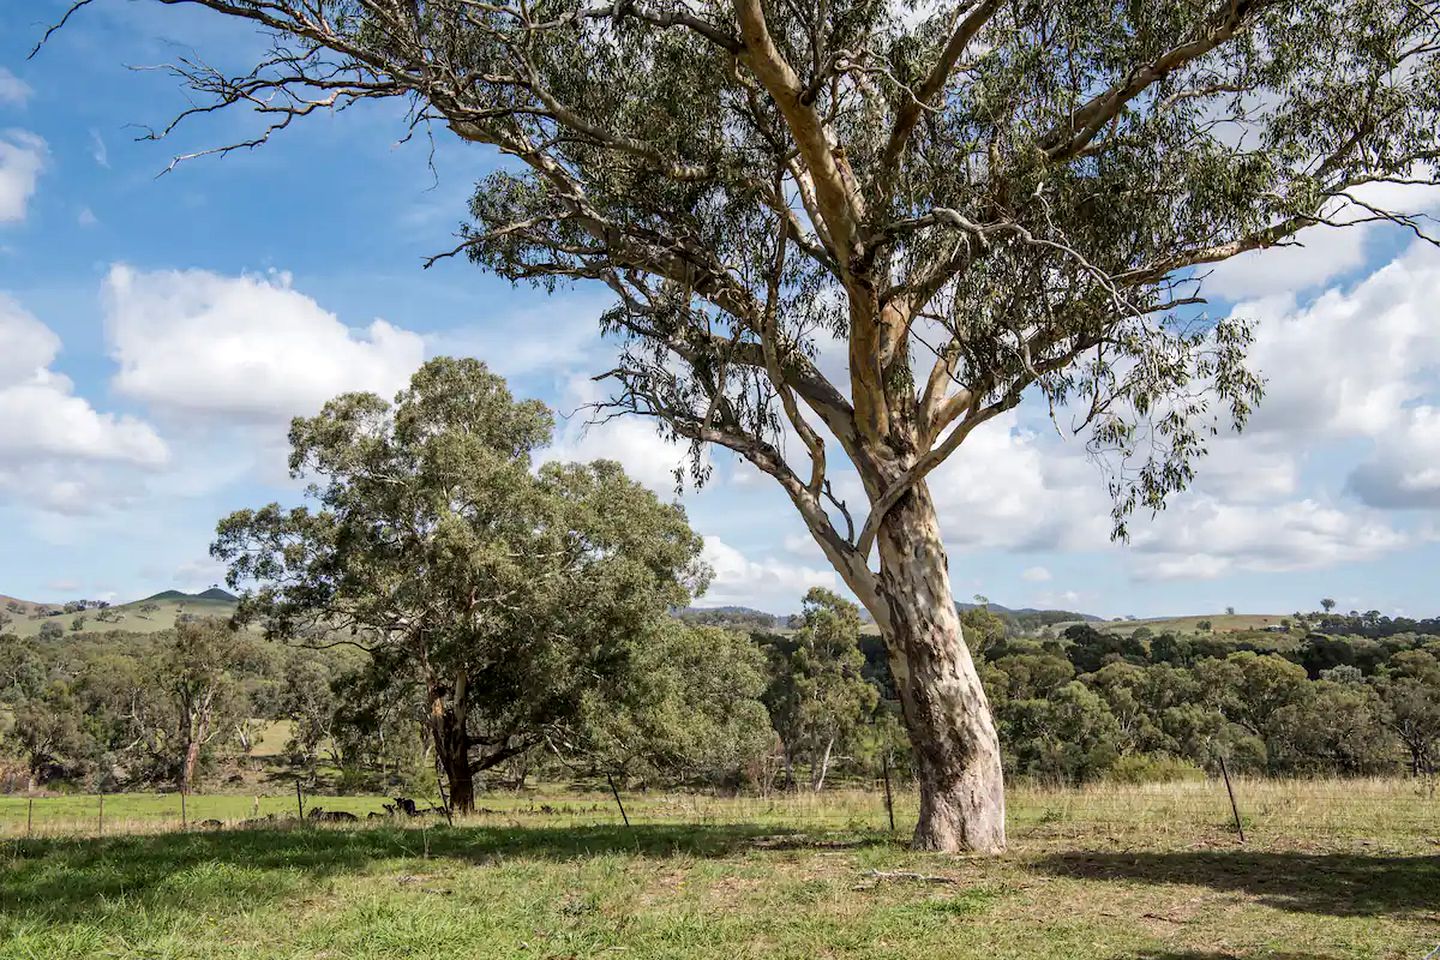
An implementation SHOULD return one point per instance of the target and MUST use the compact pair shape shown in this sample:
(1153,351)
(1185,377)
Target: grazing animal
(211,824)
(332,816)
(407,806)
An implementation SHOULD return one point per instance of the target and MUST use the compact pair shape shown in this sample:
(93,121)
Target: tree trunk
(957,753)
(452,747)
(192,760)
(818,771)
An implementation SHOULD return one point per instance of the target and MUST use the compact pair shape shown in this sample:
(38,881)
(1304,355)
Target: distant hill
(730,616)
(1219,623)
(150,615)
(1051,616)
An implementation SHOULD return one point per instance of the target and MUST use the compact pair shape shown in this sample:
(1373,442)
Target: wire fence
(1385,811)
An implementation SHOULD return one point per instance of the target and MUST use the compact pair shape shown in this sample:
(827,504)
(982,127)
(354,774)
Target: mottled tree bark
(957,752)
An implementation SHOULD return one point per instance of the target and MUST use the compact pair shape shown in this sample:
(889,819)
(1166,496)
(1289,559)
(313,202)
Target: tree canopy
(496,592)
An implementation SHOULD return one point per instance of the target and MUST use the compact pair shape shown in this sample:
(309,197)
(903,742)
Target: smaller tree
(1410,697)
(984,630)
(48,729)
(1327,604)
(818,695)
(492,595)
(78,623)
(687,706)
(308,700)
(149,609)
(50,630)
(195,672)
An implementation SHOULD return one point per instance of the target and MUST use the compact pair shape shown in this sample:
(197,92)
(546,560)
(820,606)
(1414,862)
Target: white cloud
(245,348)
(1347,363)
(1319,254)
(1404,472)
(98,151)
(1012,488)
(1323,254)
(13,90)
(86,217)
(646,456)
(54,442)
(1201,538)
(767,584)
(22,158)
(1036,574)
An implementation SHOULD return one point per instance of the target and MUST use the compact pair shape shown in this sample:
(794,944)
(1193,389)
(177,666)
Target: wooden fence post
(184,816)
(299,799)
(1239,827)
(623,815)
(101,829)
(29,817)
(889,801)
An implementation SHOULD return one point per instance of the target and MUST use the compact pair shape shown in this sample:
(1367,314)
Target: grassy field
(1329,870)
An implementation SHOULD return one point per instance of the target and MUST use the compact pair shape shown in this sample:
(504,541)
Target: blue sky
(157,332)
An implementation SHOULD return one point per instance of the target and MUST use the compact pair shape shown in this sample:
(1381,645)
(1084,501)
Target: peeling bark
(957,752)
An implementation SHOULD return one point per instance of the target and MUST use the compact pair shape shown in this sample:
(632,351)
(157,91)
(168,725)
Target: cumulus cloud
(242,348)
(1321,254)
(766,583)
(1202,538)
(1404,472)
(1349,362)
(54,442)
(1351,371)
(1009,487)
(1036,574)
(13,90)
(22,158)
(646,456)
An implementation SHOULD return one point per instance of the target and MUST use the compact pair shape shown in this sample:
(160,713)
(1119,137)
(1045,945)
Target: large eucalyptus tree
(980,199)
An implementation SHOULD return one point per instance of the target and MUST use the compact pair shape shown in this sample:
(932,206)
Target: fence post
(299,799)
(623,815)
(889,802)
(184,817)
(29,816)
(101,830)
(1239,827)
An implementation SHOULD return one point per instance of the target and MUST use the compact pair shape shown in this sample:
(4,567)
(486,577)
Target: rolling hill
(1219,623)
(147,615)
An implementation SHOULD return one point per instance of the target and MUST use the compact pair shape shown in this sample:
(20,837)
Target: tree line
(703,707)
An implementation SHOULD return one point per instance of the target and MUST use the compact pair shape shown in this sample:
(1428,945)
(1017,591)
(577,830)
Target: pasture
(1330,869)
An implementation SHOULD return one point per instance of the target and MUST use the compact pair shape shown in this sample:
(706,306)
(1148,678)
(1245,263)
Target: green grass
(1330,870)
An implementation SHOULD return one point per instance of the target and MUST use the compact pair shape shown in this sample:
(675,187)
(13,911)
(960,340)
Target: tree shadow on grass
(61,880)
(1341,885)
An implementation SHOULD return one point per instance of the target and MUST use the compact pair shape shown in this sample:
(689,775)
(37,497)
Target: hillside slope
(149,615)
